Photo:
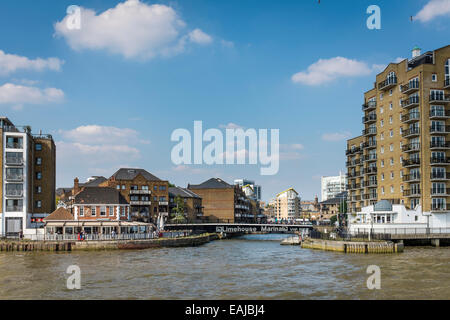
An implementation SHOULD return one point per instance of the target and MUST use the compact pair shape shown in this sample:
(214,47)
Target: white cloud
(95,134)
(10,63)
(96,149)
(433,9)
(336,136)
(198,36)
(327,70)
(227,44)
(132,28)
(18,95)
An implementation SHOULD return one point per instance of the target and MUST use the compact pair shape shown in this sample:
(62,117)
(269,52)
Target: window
(382,136)
(38,175)
(38,161)
(38,189)
(155,188)
(382,163)
(382,123)
(382,177)
(392,175)
(392,189)
(162,199)
(381,109)
(14,142)
(81,208)
(434,77)
(122,211)
(390,93)
(382,190)
(118,187)
(391,147)
(38,147)
(381,97)
(447,72)
(38,204)
(391,133)
(382,150)
(134,187)
(144,188)
(123,187)
(390,119)
(155,198)
(111,211)
(93,211)
(162,188)
(14,174)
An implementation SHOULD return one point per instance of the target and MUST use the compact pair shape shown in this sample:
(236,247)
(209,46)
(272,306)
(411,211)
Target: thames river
(252,267)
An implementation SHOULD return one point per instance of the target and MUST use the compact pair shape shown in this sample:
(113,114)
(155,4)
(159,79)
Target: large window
(102,211)
(14,189)
(447,69)
(14,174)
(38,147)
(13,205)
(14,142)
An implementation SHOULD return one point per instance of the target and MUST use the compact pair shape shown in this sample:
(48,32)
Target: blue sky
(111,96)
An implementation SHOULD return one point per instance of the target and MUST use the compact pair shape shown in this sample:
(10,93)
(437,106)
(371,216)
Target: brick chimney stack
(76,187)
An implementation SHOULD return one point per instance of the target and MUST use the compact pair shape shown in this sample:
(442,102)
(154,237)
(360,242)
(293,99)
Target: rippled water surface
(254,267)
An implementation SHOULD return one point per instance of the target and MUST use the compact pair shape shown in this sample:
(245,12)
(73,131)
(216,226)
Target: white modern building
(332,185)
(256,188)
(385,217)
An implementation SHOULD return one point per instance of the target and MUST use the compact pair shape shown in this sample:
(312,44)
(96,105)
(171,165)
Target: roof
(99,195)
(131,173)
(213,183)
(61,191)
(182,192)
(60,214)
(290,189)
(94,182)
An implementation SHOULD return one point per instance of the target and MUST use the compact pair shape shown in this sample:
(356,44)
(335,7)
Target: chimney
(416,52)
(76,187)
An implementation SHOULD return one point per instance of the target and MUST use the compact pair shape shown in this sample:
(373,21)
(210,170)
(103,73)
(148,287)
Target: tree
(178,210)
(333,219)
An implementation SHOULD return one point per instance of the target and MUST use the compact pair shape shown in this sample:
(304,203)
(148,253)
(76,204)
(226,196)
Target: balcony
(411,193)
(411,163)
(370,144)
(440,207)
(369,131)
(388,83)
(14,177)
(411,177)
(410,87)
(14,145)
(163,203)
(14,208)
(411,147)
(14,193)
(439,161)
(439,145)
(440,176)
(354,163)
(14,161)
(438,192)
(411,117)
(356,198)
(370,170)
(440,129)
(411,132)
(370,157)
(439,98)
(369,118)
(370,105)
(439,114)
(354,186)
(447,83)
(370,196)
(145,192)
(370,184)
(412,101)
(140,203)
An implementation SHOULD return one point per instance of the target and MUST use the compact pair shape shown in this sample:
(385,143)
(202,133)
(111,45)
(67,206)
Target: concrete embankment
(191,241)
(353,247)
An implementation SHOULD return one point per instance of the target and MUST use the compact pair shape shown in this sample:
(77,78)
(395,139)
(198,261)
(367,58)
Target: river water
(252,267)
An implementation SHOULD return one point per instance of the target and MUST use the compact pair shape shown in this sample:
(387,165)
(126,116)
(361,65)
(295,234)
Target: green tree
(178,210)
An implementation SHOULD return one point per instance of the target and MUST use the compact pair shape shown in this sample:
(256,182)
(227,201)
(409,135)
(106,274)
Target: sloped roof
(213,183)
(99,195)
(337,199)
(93,183)
(182,192)
(60,214)
(131,173)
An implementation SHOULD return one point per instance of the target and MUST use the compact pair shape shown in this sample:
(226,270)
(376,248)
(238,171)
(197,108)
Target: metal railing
(439,97)
(93,237)
(402,231)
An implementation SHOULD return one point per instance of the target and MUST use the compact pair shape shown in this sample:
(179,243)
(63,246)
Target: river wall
(353,247)
(191,241)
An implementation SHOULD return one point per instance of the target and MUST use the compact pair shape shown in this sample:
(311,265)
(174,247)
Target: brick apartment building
(28,178)
(223,201)
(192,202)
